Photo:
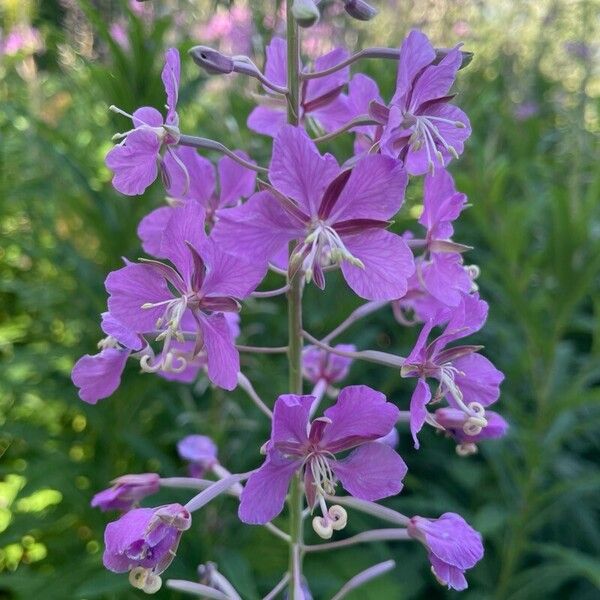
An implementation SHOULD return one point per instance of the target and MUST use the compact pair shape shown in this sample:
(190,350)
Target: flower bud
(211,60)
(360,10)
(305,12)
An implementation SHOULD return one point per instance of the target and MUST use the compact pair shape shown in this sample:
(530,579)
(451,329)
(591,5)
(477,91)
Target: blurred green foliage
(531,173)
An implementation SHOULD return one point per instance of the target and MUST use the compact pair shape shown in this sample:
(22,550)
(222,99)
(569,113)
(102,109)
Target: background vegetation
(531,173)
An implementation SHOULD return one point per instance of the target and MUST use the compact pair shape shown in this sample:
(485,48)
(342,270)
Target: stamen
(108,342)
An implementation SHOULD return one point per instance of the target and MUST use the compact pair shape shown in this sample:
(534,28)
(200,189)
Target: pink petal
(134,163)
(131,287)
(360,414)
(316,88)
(267,120)
(453,577)
(375,190)
(98,376)
(371,472)
(436,80)
(229,275)
(334,114)
(298,170)
(264,493)
(446,279)
(125,336)
(419,400)
(199,182)
(388,264)
(259,229)
(236,182)
(186,224)
(441,203)
(478,379)
(290,418)
(170,77)
(148,116)
(276,61)
(415,54)
(222,355)
(151,228)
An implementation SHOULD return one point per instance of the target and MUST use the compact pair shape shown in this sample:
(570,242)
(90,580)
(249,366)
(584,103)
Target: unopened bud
(211,60)
(360,10)
(305,12)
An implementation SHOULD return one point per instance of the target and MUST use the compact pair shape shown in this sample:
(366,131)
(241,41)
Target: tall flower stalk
(176,312)
(294,297)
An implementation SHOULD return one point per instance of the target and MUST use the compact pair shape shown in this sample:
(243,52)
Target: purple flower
(144,541)
(22,39)
(98,376)
(468,380)
(420,126)
(371,471)
(440,270)
(135,162)
(321,99)
(232,27)
(458,425)
(318,364)
(127,491)
(204,283)
(335,216)
(453,546)
(200,451)
(363,90)
(235,183)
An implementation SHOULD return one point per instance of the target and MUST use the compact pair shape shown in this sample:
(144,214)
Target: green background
(534,187)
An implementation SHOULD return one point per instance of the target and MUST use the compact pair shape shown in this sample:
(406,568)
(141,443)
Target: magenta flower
(318,364)
(453,547)
(204,284)
(440,270)
(98,376)
(127,491)
(136,161)
(235,183)
(420,126)
(468,380)
(200,451)
(144,541)
(466,433)
(321,99)
(371,471)
(363,90)
(335,217)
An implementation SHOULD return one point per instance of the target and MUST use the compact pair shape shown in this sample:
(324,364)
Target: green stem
(294,295)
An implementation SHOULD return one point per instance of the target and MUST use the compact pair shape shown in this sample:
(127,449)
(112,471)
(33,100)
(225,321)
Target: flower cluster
(208,249)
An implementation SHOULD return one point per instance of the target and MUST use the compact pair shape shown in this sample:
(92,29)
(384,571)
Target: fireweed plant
(303,216)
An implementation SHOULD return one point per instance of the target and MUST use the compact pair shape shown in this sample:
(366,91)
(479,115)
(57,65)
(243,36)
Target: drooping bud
(305,12)
(211,60)
(360,10)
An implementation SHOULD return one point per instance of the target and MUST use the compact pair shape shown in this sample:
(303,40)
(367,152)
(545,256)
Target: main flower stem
(294,296)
